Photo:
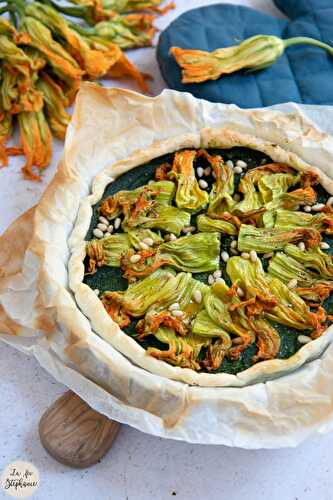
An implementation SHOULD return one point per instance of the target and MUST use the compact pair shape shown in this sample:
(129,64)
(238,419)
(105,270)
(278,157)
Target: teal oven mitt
(304,74)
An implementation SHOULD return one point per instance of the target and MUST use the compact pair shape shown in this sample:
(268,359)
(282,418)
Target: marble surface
(139,466)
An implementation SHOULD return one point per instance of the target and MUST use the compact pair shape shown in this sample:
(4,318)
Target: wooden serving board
(75,434)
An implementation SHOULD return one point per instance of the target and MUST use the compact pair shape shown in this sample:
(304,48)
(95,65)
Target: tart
(213,258)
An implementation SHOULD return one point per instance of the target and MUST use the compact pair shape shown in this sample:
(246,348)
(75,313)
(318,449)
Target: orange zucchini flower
(55,103)
(36,141)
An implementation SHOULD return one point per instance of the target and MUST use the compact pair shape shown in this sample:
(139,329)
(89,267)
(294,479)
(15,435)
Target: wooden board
(75,434)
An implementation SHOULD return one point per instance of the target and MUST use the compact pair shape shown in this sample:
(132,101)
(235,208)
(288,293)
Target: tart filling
(214,259)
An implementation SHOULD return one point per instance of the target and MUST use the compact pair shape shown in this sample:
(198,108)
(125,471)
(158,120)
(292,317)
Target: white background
(140,466)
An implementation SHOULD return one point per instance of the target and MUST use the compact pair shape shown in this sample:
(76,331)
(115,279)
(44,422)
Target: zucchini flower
(95,63)
(123,67)
(255,53)
(188,195)
(55,104)
(132,203)
(265,240)
(139,297)
(310,285)
(313,260)
(196,253)
(207,225)
(220,198)
(182,351)
(181,290)
(125,6)
(6,127)
(148,207)
(218,302)
(127,32)
(272,297)
(289,219)
(137,236)
(36,141)
(294,199)
(107,251)
(267,339)
(61,61)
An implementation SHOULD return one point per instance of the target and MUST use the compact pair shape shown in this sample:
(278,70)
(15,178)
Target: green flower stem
(309,41)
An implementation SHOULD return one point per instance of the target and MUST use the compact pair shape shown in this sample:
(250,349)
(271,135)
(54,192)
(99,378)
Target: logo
(20,479)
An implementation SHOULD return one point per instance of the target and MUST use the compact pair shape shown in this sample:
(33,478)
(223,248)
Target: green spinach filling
(214,259)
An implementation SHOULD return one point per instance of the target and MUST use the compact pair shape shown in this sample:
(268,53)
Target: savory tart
(213,259)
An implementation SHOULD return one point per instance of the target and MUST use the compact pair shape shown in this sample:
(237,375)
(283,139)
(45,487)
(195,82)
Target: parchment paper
(39,316)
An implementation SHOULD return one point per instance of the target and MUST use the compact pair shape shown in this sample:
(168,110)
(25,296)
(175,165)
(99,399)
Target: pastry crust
(93,308)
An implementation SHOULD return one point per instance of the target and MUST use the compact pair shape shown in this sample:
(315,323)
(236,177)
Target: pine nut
(203,184)
(200,171)
(189,229)
(197,296)
(102,227)
(177,313)
(292,283)
(241,163)
(317,207)
(135,258)
(307,208)
(220,280)
(96,291)
(148,241)
(117,223)
(225,256)
(230,164)
(304,339)
(174,306)
(172,237)
(323,245)
(245,255)
(240,292)
(210,280)
(110,229)
(237,197)
(143,245)
(253,256)
(329,201)
(98,233)
(217,274)
(233,244)
(301,246)
(268,255)
(103,220)
(238,170)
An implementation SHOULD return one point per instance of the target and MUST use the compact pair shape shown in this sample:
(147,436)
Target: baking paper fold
(39,315)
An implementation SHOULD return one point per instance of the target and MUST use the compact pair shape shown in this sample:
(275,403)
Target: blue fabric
(303,74)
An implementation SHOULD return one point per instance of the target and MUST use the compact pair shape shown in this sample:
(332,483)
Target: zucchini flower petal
(123,67)
(194,253)
(294,199)
(36,141)
(55,103)
(138,297)
(136,236)
(132,203)
(124,6)
(268,340)
(277,302)
(254,53)
(182,351)
(264,240)
(289,219)
(180,289)
(128,32)
(220,198)
(94,62)
(188,195)
(61,61)
(206,225)
(313,260)
(107,251)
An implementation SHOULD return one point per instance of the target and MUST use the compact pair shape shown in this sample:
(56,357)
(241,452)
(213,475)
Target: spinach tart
(209,258)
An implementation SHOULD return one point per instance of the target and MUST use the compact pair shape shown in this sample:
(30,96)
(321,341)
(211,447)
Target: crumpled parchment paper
(39,316)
